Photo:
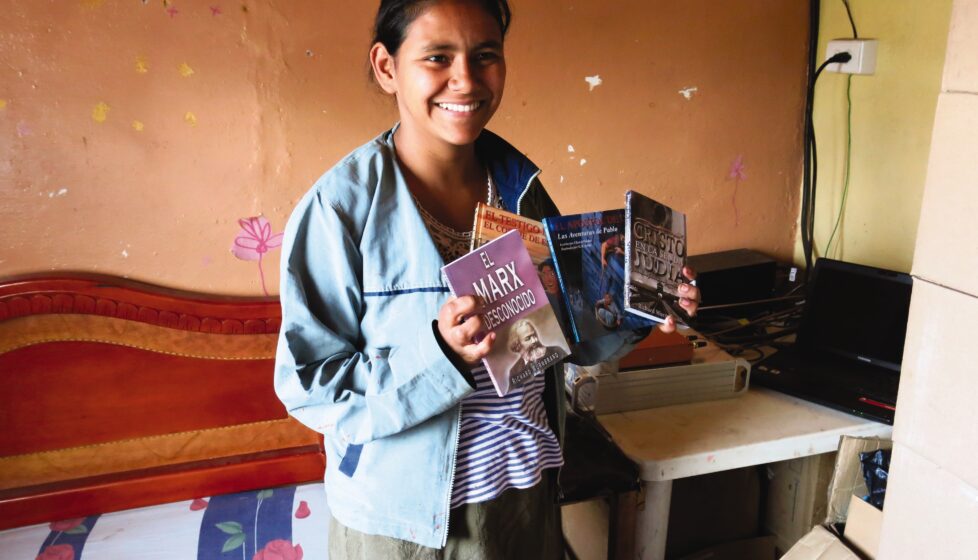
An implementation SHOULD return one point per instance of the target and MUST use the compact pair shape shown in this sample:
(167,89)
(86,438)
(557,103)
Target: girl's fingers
(482,349)
(689,292)
(469,328)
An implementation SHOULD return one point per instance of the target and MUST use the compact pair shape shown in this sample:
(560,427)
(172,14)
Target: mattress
(285,523)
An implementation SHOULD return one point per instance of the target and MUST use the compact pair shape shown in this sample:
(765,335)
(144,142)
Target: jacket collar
(511,171)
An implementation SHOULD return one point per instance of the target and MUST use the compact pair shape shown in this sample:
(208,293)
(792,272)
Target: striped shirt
(504,442)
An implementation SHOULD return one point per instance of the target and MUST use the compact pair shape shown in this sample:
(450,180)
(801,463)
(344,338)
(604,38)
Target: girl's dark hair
(394,17)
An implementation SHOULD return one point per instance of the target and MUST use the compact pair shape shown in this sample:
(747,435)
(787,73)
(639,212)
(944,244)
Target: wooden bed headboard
(117,394)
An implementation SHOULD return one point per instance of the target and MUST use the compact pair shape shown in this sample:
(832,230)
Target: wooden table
(762,426)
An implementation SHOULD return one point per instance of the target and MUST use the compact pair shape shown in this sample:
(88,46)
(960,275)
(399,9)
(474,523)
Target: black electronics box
(735,276)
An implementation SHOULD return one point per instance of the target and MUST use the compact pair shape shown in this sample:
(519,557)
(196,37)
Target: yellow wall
(892,118)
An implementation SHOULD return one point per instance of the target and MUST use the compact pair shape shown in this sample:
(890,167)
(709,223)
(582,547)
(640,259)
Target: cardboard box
(847,479)
(937,416)
(820,544)
(863,527)
(947,233)
(960,63)
(759,548)
(861,540)
(930,512)
(797,497)
(863,522)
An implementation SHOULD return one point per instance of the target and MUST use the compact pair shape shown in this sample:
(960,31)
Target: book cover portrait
(528,336)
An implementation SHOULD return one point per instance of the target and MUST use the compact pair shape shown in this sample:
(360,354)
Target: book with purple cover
(492,222)
(528,336)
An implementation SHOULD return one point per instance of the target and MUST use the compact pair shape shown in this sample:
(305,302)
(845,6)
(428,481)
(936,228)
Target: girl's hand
(459,323)
(690,300)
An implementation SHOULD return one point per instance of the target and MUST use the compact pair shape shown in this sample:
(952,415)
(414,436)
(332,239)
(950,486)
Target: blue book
(589,252)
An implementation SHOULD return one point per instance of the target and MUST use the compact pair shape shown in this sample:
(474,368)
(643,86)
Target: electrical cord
(752,302)
(811,169)
(766,318)
(810,155)
(852,22)
(845,188)
(813,31)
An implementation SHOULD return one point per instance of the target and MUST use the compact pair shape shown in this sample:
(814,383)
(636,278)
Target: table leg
(652,521)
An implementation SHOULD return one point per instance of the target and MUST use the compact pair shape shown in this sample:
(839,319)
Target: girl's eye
(487,57)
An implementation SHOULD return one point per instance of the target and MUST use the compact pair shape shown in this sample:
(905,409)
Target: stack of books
(569,278)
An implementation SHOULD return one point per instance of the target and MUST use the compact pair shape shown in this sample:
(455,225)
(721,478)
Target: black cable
(810,186)
(736,340)
(752,302)
(852,22)
(813,25)
(759,320)
(810,152)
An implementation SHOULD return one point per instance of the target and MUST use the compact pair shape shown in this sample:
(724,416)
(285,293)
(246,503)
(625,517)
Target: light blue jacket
(359,359)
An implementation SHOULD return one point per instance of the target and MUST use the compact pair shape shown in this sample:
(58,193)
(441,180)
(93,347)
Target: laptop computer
(849,346)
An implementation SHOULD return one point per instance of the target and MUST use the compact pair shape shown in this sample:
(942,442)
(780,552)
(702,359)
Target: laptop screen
(857,311)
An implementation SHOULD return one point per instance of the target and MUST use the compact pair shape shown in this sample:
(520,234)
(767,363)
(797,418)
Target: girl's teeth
(459,108)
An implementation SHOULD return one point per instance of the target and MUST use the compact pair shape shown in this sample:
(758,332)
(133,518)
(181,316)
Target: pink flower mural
(253,241)
(737,174)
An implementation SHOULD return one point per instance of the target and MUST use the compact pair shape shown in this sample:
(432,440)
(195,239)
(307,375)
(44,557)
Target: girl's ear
(383,66)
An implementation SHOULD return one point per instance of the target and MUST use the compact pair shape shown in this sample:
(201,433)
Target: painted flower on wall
(254,240)
(279,549)
(57,552)
(738,173)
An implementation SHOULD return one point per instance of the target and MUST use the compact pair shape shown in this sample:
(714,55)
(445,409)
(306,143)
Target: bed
(140,422)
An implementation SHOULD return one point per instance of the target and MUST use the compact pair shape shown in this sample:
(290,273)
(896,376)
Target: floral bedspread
(288,523)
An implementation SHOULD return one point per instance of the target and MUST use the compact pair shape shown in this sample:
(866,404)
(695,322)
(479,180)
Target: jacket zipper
(560,388)
(526,189)
(451,481)
(458,420)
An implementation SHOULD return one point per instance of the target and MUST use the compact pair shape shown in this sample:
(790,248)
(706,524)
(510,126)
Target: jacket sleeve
(323,372)
(612,346)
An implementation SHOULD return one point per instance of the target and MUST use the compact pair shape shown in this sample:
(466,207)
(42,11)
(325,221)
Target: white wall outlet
(863,53)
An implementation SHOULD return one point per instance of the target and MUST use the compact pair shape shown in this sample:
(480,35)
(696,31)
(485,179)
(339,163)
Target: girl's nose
(461,79)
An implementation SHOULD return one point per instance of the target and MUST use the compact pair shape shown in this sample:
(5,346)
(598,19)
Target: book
(491,223)
(655,254)
(589,251)
(528,336)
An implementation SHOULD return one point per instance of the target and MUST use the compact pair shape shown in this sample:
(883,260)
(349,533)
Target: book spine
(477,239)
(564,294)
(640,313)
(628,255)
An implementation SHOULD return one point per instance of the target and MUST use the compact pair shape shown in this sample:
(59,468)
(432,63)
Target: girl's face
(449,73)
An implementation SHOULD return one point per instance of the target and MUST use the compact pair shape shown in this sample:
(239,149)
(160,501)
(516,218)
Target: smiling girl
(424,459)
